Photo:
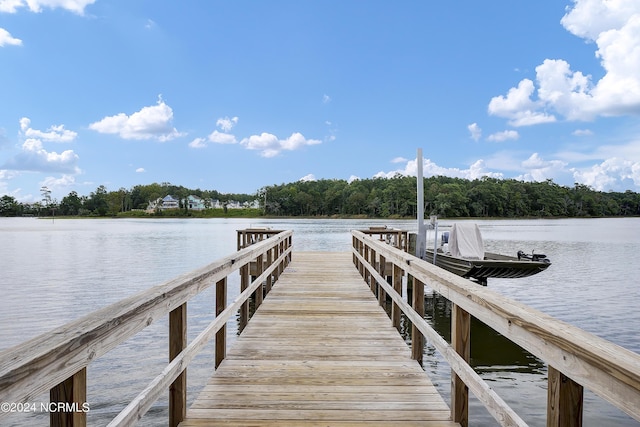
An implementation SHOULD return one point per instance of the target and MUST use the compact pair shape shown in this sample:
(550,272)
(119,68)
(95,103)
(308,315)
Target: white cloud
(222,138)
(198,143)
(503,136)
(353,178)
(10,6)
(582,132)
(56,133)
(326,99)
(217,137)
(609,174)
(475,171)
(7,174)
(34,157)
(154,122)
(75,6)
(538,169)
(476,132)
(53,183)
(226,123)
(308,178)
(614,28)
(269,145)
(140,170)
(518,107)
(7,39)
(398,160)
(629,151)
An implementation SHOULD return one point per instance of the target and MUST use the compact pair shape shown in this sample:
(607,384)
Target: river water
(53,272)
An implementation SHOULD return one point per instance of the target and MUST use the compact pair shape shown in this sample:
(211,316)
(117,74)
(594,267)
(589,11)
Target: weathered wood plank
(319,351)
(314,423)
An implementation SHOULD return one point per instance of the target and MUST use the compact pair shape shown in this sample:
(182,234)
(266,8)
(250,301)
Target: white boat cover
(465,241)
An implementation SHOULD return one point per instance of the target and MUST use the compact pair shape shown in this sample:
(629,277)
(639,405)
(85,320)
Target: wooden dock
(319,351)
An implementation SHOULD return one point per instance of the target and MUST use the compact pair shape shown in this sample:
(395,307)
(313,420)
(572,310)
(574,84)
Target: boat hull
(493,266)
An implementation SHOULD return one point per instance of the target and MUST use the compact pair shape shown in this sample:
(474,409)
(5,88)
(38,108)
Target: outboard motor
(444,237)
(540,257)
(534,257)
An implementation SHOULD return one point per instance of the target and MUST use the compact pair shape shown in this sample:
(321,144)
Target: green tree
(9,206)
(97,202)
(71,204)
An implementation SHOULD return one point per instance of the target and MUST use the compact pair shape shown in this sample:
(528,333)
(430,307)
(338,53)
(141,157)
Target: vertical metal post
(421,241)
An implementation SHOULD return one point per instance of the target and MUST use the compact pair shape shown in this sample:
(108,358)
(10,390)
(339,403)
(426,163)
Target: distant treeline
(446,197)
(121,202)
(376,198)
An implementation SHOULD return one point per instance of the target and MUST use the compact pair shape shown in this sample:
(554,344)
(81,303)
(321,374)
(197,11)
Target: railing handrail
(143,401)
(609,370)
(39,364)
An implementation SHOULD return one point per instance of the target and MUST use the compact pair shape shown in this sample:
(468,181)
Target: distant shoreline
(336,217)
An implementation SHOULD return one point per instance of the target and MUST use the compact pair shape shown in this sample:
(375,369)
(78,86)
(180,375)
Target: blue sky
(237,95)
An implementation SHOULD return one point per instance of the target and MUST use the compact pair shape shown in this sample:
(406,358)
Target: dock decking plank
(319,351)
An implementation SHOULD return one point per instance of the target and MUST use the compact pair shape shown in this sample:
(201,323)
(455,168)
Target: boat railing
(575,358)
(57,361)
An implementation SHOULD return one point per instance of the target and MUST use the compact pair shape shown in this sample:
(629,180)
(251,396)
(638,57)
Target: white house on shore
(196,203)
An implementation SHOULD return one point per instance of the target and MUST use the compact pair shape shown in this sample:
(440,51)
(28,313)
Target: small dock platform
(319,351)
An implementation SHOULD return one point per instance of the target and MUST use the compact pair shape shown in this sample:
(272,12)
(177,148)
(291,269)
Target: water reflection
(490,350)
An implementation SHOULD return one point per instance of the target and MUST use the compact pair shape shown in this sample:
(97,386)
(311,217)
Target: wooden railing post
(360,263)
(282,263)
(367,258)
(289,244)
(244,309)
(461,343)
(417,340)
(564,400)
(354,244)
(382,295)
(259,295)
(221,335)
(269,281)
(372,281)
(177,342)
(72,393)
(397,286)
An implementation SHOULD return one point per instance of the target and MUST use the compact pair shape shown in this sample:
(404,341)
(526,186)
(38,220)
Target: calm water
(54,272)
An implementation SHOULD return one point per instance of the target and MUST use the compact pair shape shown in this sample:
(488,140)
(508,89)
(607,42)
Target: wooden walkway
(319,351)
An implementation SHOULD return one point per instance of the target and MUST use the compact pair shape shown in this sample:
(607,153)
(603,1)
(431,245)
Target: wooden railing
(575,358)
(57,361)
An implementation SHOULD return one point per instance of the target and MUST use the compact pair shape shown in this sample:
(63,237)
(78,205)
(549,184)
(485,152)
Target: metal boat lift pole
(421,238)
